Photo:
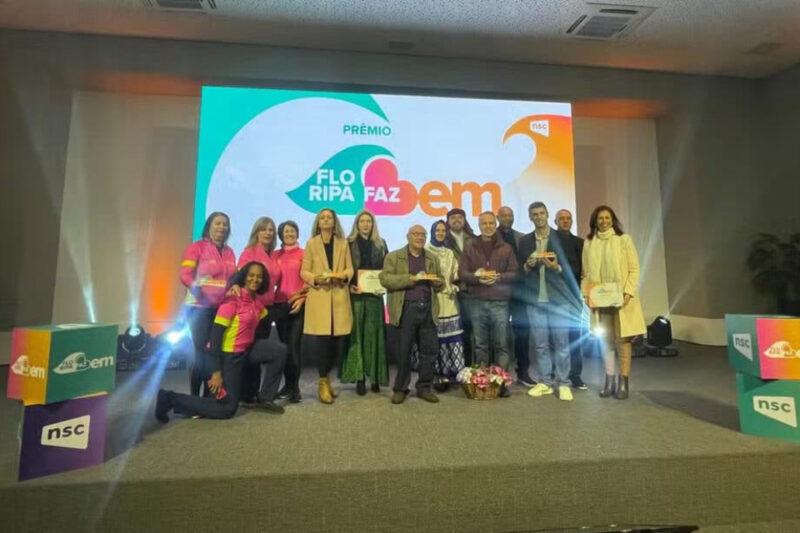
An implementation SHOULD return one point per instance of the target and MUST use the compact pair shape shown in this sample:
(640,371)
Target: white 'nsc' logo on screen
(743,344)
(780,408)
(78,362)
(72,433)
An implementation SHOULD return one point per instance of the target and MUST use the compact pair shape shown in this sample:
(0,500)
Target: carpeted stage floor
(670,454)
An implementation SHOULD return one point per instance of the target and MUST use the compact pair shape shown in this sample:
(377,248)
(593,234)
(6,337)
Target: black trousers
(416,326)
(464,301)
(270,353)
(252,372)
(290,332)
(521,331)
(327,348)
(200,321)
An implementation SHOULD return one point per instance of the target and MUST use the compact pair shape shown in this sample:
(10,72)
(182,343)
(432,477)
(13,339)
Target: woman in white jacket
(610,259)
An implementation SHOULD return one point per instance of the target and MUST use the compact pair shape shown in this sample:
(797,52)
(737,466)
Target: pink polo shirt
(258,254)
(205,271)
(290,259)
(239,315)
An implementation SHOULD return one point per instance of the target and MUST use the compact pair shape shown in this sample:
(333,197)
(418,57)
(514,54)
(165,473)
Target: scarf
(605,254)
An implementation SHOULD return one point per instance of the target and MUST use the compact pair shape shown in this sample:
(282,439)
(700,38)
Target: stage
(672,454)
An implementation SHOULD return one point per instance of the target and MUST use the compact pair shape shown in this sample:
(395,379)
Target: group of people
(453,298)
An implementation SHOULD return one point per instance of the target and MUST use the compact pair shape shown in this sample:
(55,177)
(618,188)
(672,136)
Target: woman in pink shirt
(206,266)
(289,300)
(233,347)
(261,248)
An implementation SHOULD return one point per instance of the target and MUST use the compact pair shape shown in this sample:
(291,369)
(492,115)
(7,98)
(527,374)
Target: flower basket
(474,393)
(483,382)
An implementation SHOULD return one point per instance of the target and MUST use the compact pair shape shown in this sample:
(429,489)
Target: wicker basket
(474,393)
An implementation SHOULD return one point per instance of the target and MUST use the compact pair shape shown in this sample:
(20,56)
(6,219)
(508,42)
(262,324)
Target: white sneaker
(540,389)
(564,393)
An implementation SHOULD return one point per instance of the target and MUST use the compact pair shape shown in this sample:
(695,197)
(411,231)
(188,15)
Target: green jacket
(396,279)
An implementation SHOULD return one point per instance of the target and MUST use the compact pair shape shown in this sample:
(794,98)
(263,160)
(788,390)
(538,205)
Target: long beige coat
(327,308)
(631,318)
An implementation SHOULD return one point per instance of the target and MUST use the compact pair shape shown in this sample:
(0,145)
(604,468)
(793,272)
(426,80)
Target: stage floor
(678,432)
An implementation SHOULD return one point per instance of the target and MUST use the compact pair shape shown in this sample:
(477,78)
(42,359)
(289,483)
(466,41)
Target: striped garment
(205,271)
(239,315)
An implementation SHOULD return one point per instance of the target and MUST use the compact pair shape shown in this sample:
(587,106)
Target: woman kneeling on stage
(232,347)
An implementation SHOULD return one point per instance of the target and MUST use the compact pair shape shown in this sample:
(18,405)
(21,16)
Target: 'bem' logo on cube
(63,436)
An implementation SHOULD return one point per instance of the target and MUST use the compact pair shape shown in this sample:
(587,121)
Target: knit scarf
(605,253)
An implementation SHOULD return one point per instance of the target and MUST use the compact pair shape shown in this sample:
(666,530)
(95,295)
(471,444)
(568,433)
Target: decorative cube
(768,408)
(764,346)
(62,436)
(54,363)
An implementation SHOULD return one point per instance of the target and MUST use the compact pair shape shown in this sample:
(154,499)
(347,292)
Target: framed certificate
(369,282)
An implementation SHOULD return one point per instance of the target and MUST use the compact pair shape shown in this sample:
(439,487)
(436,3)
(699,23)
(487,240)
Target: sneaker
(428,396)
(578,383)
(540,389)
(399,397)
(295,397)
(284,392)
(163,406)
(525,379)
(504,392)
(564,393)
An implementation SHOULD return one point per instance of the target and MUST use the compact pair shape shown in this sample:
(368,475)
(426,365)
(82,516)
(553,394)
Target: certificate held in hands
(369,282)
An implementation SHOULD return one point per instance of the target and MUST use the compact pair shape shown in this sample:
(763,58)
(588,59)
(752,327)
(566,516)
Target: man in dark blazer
(573,248)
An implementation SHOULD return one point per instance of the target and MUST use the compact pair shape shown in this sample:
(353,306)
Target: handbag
(606,295)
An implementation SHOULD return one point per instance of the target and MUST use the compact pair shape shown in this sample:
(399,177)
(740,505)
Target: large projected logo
(287,154)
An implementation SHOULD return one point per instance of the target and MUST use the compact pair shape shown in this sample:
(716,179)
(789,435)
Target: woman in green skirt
(366,348)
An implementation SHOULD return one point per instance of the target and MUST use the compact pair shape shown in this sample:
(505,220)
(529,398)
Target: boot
(622,388)
(361,387)
(325,395)
(608,387)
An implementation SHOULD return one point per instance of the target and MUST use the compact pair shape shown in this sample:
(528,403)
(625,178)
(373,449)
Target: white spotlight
(599,331)
(173,337)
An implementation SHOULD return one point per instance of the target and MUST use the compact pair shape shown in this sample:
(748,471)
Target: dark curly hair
(241,275)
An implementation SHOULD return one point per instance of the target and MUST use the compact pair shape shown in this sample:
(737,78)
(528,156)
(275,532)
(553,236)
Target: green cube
(767,347)
(768,408)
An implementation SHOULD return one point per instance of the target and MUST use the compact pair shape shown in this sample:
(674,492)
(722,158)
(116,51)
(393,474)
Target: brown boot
(622,388)
(325,395)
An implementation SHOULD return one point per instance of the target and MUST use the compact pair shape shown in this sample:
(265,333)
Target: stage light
(134,340)
(659,337)
(599,331)
(174,336)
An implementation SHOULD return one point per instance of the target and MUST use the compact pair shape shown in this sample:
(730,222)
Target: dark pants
(290,332)
(576,343)
(521,330)
(251,374)
(200,321)
(328,349)
(270,353)
(464,301)
(416,326)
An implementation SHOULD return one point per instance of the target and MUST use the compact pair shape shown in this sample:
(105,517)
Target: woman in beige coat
(327,269)
(609,256)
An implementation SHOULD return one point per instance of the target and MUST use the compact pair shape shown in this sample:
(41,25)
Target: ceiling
(713,37)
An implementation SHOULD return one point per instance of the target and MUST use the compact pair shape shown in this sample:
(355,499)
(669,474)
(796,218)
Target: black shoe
(504,392)
(608,387)
(294,396)
(249,402)
(375,387)
(525,379)
(441,384)
(428,396)
(284,392)
(271,407)
(399,397)
(361,387)
(163,406)
(578,383)
(622,388)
